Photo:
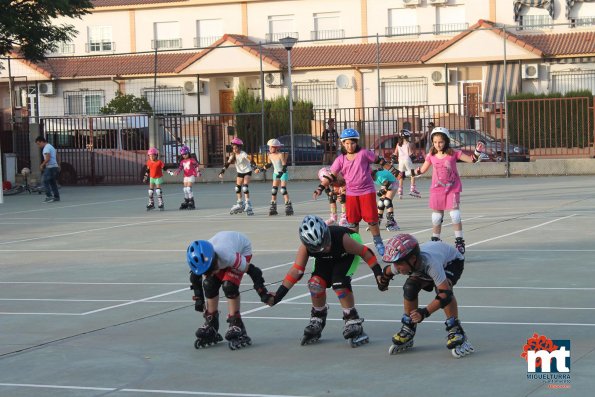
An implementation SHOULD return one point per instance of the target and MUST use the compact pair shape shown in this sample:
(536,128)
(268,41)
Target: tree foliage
(29,25)
(127,103)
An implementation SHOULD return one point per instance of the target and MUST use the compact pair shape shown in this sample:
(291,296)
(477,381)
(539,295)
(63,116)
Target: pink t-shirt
(358,179)
(445,174)
(189,166)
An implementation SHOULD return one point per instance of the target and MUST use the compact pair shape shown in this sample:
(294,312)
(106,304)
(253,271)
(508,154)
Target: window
(581,14)
(166,35)
(573,80)
(402,21)
(280,26)
(327,25)
(322,94)
(100,39)
(83,102)
(166,100)
(208,31)
(404,91)
(64,48)
(450,20)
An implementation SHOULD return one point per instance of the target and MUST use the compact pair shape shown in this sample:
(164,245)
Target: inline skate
(273,208)
(288,208)
(236,335)
(457,341)
(403,339)
(332,219)
(208,334)
(413,192)
(391,223)
(313,331)
(353,330)
(238,208)
(248,208)
(460,245)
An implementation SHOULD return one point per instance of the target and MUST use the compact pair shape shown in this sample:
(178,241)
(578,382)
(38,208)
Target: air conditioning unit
(273,79)
(343,81)
(191,88)
(437,2)
(438,77)
(530,71)
(47,88)
(411,3)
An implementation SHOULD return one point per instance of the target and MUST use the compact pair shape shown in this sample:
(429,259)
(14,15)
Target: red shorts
(232,275)
(361,207)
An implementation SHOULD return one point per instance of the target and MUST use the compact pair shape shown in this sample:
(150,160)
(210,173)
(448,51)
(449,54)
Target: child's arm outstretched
(293,276)
(477,154)
(230,160)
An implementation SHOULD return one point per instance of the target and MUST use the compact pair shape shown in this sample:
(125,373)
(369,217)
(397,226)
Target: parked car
(308,149)
(466,140)
(385,146)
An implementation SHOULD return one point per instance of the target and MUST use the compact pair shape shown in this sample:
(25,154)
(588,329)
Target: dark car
(308,149)
(386,144)
(466,140)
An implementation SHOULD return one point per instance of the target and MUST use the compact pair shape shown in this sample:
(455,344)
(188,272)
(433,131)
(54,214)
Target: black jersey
(337,252)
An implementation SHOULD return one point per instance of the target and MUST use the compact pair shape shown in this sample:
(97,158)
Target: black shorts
(453,270)
(334,272)
(243,174)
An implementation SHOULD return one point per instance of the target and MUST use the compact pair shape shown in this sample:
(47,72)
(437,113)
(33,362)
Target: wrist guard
(423,312)
(319,189)
(280,294)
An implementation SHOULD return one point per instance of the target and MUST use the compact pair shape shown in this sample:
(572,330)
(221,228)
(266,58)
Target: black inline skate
(353,330)
(191,205)
(236,335)
(184,205)
(273,208)
(457,341)
(403,339)
(313,331)
(460,245)
(288,208)
(151,205)
(208,334)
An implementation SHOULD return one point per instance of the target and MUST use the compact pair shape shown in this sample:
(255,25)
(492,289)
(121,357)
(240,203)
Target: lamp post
(288,43)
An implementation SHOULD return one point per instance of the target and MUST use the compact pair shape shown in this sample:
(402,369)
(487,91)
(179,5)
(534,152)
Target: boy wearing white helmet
(278,161)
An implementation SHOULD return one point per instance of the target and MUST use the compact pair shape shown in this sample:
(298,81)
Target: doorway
(471,102)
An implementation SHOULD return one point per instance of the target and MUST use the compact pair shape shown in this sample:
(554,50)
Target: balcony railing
(167,43)
(100,46)
(583,21)
(274,37)
(327,34)
(64,49)
(412,30)
(535,22)
(450,28)
(205,41)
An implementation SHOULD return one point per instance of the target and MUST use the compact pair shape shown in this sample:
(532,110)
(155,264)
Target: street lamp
(288,42)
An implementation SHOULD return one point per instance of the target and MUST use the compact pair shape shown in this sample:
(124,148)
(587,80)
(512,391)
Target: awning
(545,4)
(570,4)
(494,85)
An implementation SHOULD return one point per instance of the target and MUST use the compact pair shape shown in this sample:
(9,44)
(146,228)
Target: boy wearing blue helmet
(223,259)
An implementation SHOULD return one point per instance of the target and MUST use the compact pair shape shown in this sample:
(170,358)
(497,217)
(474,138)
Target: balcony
(166,43)
(412,30)
(205,41)
(274,37)
(64,49)
(337,34)
(582,21)
(535,22)
(100,46)
(450,28)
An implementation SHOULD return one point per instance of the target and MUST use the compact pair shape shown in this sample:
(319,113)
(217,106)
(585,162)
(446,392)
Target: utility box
(10,162)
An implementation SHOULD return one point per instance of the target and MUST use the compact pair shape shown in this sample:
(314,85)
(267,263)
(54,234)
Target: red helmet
(400,248)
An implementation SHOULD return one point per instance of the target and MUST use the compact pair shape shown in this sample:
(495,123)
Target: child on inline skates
(403,152)
(354,163)
(334,191)
(432,265)
(386,192)
(190,167)
(223,259)
(336,250)
(278,161)
(446,187)
(154,175)
(244,165)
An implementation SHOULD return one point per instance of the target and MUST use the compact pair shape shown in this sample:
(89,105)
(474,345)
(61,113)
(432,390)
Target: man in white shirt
(50,170)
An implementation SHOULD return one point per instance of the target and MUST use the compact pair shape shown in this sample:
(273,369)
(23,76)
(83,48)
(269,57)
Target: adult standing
(50,170)
(329,139)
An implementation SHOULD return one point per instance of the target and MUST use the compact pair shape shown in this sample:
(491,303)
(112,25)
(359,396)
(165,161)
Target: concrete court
(94,297)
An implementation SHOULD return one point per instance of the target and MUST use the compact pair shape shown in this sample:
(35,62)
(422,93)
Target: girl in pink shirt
(190,167)
(360,202)
(446,187)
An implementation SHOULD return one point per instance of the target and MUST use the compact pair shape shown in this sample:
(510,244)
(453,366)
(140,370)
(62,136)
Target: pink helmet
(152,151)
(237,141)
(184,150)
(400,248)
(324,173)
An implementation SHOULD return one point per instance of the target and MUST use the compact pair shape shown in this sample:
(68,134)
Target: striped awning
(570,4)
(494,85)
(545,4)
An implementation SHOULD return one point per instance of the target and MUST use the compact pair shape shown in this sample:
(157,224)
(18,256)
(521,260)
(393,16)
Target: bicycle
(39,189)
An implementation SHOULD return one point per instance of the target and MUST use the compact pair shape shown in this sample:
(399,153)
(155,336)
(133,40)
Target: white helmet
(274,143)
(440,130)
(314,233)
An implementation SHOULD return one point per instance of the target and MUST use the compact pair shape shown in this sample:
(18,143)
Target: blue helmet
(199,256)
(349,133)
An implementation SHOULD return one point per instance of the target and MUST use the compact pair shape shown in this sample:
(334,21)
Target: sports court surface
(94,297)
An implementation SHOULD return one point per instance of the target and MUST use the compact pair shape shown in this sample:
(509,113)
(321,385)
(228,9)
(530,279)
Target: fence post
(34,152)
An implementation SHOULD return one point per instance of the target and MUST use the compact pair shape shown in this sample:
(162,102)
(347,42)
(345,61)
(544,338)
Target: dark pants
(49,177)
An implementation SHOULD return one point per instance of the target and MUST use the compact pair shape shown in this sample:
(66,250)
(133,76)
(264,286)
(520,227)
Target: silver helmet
(314,233)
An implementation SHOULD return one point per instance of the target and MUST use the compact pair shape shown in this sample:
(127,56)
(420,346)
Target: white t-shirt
(243,165)
(435,255)
(49,149)
(231,249)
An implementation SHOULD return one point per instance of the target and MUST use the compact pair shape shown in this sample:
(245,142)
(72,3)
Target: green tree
(29,26)
(127,104)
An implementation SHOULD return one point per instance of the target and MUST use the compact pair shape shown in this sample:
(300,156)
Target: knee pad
(436,218)
(388,203)
(230,290)
(284,190)
(317,286)
(245,188)
(150,192)
(332,198)
(211,287)
(380,204)
(274,191)
(343,284)
(411,289)
(342,199)
(238,188)
(455,216)
(158,192)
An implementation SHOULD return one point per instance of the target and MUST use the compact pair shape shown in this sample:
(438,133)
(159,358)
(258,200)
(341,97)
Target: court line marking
(152,391)
(133,302)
